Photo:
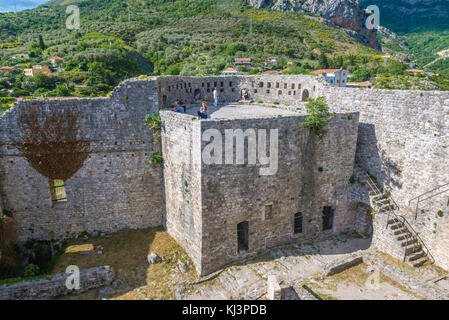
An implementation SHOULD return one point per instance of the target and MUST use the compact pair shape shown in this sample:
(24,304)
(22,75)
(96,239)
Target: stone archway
(197,95)
(305,95)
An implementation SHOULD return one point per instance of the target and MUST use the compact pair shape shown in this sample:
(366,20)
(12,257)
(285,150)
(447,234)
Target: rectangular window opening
(298,223)
(328,218)
(268,212)
(57,191)
(243,236)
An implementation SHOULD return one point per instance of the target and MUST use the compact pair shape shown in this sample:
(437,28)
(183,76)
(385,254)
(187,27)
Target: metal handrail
(412,233)
(418,198)
(416,234)
(380,192)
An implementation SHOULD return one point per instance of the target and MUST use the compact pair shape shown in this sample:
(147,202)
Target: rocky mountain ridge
(347,14)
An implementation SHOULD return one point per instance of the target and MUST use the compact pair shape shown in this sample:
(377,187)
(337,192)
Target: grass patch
(126,252)
(393,261)
(79,248)
(11,281)
(354,276)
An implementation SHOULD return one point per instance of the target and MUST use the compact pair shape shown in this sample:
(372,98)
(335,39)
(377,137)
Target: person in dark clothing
(183,105)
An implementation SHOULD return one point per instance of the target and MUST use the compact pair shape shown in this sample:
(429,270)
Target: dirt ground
(126,252)
(360,283)
(300,264)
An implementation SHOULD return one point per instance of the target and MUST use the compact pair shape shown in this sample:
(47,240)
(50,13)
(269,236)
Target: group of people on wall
(180,106)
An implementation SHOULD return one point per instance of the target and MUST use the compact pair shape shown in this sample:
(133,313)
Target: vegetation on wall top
(318,116)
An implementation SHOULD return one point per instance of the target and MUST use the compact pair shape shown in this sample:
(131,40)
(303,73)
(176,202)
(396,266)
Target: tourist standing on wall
(215,93)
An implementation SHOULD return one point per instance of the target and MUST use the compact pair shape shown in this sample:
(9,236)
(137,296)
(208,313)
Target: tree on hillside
(338,61)
(41,42)
(361,75)
(40,80)
(322,61)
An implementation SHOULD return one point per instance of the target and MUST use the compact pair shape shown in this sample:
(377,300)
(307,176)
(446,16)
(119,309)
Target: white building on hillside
(230,72)
(335,77)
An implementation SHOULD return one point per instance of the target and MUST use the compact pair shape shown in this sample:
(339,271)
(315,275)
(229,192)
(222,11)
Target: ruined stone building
(229,209)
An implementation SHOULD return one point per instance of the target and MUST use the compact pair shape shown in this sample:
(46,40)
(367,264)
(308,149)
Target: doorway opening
(243,236)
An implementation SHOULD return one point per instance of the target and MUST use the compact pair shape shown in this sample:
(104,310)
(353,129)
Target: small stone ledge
(306,293)
(424,289)
(207,278)
(343,264)
(47,288)
(274,291)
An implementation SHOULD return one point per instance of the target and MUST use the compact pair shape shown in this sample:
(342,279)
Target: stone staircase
(415,252)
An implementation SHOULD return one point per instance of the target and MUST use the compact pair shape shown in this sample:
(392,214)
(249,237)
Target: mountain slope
(344,13)
(423,25)
(408,16)
(169,37)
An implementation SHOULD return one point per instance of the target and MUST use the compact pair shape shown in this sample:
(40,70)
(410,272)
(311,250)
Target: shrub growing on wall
(155,124)
(318,116)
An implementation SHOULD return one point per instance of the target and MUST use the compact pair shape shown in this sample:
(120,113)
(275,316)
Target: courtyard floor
(241,111)
(300,268)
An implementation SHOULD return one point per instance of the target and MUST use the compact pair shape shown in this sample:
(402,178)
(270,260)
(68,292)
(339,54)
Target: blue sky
(8,5)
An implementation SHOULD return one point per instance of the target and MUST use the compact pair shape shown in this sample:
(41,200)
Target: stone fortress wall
(172,88)
(286,90)
(402,138)
(182,181)
(116,188)
(404,141)
(311,174)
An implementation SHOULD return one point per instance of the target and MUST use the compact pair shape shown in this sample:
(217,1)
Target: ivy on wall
(52,141)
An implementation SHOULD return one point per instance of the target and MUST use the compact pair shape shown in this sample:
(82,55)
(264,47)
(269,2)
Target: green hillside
(119,39)
(159,37)
(423,25)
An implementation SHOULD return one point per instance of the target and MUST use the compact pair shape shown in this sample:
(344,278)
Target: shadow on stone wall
(370,157)
(391,169)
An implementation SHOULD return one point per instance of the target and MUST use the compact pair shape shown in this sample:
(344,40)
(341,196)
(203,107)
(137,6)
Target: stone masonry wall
(291,90)
(116,187)
(182,181)
(404,142)
(311,174)
(172,88)
(402,139)
(47,288)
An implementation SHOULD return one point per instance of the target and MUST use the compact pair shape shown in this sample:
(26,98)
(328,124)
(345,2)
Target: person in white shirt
(215,93)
